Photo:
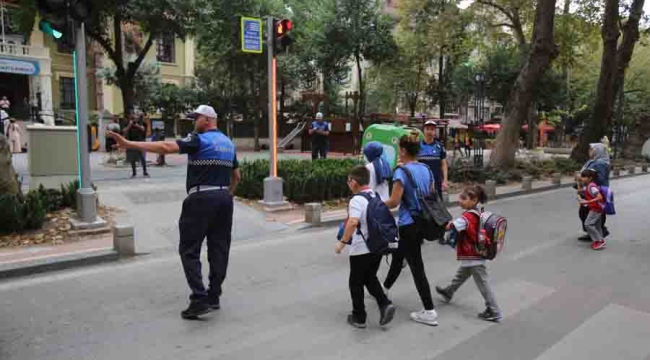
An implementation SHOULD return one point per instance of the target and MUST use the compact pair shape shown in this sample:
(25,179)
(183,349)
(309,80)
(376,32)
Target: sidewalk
(23,261)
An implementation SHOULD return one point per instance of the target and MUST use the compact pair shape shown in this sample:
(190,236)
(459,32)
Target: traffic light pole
(86,203)
(273,195)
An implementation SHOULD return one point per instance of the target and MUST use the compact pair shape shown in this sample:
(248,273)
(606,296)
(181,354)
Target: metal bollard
(491,189)
(527,183)
(124,239)
(557,179)
(313,213)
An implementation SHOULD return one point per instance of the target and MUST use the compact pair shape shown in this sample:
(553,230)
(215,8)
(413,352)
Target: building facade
(38,73)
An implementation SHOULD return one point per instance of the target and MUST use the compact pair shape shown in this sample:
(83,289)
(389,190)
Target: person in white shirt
(379,168)
(363,264)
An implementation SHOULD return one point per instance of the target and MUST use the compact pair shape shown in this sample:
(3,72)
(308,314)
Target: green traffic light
(47,28)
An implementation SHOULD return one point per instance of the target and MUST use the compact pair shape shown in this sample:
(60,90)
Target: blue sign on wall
(251,35)
(20,67)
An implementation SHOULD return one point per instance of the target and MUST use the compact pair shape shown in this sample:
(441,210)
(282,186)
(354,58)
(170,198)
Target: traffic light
(51,29)
(59,16)
(282,35)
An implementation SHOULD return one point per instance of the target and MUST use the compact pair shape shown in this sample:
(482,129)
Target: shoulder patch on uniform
(188,138)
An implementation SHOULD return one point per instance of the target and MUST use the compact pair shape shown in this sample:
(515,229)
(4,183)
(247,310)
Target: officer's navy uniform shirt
(211,159)
(323,126)
(432,155)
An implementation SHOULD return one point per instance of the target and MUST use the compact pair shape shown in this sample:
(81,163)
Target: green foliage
(34,210)
(147,82)
(304,180)
(11,213)
(538,169)
(27,212)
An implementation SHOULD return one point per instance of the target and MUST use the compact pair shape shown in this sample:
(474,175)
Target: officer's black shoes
(214,303)
(196,309)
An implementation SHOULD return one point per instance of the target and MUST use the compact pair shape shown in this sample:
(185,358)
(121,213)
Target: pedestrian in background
(363,264)
(136,131)
(433,154)
(600,163)
(468,147)
(212,178)
(114,126)
(320,132)
(14,136)
(410,236)
(5,104)
(593,200)
(379,168)
(467,228)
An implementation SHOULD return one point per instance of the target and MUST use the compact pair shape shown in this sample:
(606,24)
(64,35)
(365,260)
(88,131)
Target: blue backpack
(608,198)
(383,234)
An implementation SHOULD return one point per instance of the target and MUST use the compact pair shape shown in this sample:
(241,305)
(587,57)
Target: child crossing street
(594,200)
(364,264)
(468,228)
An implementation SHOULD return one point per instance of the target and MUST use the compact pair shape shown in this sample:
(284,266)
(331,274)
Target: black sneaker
(146,175)
(352,320)
(489,315)
(196,309)
(387,314)
(585,238)
(214,303)
(444,293)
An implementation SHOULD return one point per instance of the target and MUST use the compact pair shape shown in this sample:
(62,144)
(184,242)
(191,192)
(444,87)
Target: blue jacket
(602,171)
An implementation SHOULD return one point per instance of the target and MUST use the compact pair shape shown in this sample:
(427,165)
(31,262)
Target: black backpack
(433,216)
(383,234)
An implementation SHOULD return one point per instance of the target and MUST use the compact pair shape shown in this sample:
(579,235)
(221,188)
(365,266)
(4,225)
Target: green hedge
(304,180)
(538,169)
(27,212)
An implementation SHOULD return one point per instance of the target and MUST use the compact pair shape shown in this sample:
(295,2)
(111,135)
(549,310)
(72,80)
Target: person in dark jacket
(600,163)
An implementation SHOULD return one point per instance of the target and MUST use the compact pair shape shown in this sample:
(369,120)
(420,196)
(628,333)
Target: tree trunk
(626,48)
(128,94)
(543,51)
(8,183)
(605,96)
(531,136)
(442,101)
(360,109)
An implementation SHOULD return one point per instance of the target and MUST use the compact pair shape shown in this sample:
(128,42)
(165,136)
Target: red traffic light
(283,27)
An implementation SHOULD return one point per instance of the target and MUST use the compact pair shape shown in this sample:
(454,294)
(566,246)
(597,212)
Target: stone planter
(557,179)
(527,183)
(617,173)
(491,189)
(644,168)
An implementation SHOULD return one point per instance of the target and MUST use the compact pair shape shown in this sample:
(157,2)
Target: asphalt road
(286,297)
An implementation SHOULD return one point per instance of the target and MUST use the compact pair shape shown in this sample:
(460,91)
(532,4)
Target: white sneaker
(429,317)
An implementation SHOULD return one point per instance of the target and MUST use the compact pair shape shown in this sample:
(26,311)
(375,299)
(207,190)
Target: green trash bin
(388,136)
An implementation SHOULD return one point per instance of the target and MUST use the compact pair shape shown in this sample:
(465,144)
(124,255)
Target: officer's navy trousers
(208,215)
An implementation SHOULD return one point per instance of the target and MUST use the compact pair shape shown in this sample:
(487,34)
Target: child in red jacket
(471,262)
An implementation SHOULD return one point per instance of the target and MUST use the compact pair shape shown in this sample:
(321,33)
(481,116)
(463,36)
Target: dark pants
(584,212)
(363,272)
(206,214)
(319,150)
(143,161)
(410,248)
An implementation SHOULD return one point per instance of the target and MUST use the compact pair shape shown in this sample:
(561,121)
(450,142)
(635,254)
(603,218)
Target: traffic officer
(433,154)
(320,132)
(212,176)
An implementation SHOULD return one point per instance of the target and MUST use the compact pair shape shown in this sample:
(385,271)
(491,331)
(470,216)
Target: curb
(57,262)
(450,205)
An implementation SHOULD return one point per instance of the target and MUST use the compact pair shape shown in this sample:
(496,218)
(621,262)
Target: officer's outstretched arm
(159,147)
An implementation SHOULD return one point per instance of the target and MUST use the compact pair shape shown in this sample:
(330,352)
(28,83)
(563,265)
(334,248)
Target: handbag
(433,215)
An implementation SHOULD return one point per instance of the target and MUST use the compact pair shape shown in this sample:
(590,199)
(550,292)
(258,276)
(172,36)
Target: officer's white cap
(319,115)
(205,110)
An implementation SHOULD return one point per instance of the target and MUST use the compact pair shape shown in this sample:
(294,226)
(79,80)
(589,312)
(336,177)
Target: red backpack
(492,234)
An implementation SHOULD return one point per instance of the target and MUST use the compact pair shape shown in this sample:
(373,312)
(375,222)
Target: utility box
(388,136)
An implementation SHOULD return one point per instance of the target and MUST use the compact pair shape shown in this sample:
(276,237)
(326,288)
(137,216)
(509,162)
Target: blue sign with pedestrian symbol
(251,35)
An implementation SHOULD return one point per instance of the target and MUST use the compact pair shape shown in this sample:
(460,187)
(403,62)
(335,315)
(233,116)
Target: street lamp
(479,117)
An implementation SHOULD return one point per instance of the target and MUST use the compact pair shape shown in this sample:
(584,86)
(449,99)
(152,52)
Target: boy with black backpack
(369,234)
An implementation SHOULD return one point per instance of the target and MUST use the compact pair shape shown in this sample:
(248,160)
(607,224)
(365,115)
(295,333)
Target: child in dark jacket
(471,262)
